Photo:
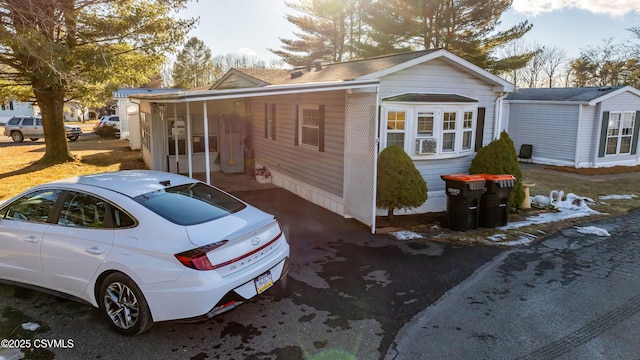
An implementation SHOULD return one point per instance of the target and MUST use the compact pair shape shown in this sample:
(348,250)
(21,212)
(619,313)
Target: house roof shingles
(343,71)
(579,94)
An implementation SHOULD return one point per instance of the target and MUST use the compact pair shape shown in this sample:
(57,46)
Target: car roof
(129,182)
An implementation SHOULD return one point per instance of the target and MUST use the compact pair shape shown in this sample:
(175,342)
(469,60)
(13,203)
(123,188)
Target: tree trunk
(390,215)
(50,99)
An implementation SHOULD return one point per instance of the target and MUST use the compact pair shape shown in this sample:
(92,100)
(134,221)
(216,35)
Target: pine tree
(466,28)
(193,66)
(329,30)
(399,183)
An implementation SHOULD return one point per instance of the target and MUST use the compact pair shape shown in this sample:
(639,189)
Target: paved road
(352,295)
(573,296)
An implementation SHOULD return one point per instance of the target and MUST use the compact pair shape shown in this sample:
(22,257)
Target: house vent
(606,88)
(318,64)
(296,74)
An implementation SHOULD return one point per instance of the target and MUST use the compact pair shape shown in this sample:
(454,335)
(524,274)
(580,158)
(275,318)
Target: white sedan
(143,246)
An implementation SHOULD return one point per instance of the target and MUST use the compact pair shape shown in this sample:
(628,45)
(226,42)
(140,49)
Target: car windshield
(190,204)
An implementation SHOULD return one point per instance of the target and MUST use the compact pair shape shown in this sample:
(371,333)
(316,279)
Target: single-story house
(579,127)
(10,108)
(128,112)
(319,129)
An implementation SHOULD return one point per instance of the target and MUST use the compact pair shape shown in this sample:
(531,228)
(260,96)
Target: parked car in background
(21,127)
(143,246)
(108,121)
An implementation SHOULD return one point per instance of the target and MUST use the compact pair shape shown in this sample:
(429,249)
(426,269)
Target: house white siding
(321,170)
(438,77)
(235,81)
(624,102)
(550,128)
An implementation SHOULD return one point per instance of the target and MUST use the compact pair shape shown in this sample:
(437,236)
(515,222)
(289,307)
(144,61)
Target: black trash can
(494,205)
(464,193)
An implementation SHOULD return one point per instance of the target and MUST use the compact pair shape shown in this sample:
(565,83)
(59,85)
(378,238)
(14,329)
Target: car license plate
(263,282)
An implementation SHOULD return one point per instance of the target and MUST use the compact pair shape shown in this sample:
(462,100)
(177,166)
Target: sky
(253,26)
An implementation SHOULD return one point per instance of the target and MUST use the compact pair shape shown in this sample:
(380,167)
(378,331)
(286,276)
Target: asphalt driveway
(349,293)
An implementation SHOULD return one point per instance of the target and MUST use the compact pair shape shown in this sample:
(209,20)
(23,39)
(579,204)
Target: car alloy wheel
(124,305)
(16,136)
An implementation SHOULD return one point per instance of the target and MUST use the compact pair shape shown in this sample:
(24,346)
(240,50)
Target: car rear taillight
(197,258)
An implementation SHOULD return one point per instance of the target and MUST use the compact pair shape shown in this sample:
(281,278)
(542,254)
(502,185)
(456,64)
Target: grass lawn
(93,154)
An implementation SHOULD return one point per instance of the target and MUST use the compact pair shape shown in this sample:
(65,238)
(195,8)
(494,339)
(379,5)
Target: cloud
(607,7)
(247,51)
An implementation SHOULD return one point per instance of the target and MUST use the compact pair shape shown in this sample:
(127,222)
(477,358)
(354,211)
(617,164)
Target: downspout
(376,144)
(497,123)
(576,162)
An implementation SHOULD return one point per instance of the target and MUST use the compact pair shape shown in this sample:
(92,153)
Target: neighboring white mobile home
(580,127)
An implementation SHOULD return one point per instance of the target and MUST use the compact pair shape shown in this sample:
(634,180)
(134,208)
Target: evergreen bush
(399,183)
(500,157)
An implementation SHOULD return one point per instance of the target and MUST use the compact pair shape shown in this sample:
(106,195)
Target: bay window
(431,131)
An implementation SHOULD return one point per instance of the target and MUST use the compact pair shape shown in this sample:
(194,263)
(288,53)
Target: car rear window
(190,204)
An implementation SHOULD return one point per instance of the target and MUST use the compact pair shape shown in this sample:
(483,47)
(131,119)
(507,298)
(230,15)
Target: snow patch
(618,197)
(593,230)
(30,326)
(406,235)
(572,206)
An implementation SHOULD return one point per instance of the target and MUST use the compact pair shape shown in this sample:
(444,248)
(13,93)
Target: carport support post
(189,145)
(206,144)
(175,137)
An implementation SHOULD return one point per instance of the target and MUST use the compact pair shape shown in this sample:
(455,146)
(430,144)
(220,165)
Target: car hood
(228,227)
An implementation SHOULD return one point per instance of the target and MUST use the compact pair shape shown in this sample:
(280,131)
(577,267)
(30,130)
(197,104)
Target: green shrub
(500,157)
(399,183)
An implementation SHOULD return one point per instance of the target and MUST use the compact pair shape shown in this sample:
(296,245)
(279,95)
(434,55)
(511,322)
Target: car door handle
(31,239)
(94,250)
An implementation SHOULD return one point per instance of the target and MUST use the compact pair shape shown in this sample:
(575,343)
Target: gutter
(497,123)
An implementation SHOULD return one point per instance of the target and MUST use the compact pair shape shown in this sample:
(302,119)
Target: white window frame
(407,115)
(301,125)
(411,135)
(619,118)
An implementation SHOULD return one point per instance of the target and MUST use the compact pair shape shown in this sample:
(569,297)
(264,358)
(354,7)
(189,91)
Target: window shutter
(480,128)
(636,128)
(603,133)
(273,121)
(296,132)
(321,128)
(266,121)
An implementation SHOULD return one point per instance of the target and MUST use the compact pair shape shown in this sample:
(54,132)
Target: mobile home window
(395,128)
(310,127)
(620,133)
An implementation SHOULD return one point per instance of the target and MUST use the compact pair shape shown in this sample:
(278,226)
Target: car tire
(34,139)
(72,138)
(124,306)
(16,136)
